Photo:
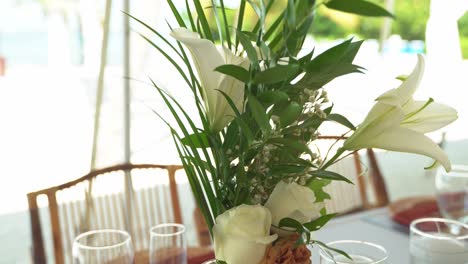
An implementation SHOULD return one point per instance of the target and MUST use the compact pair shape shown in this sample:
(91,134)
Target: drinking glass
(168,244)
(103,246)
(361,252)
(432,242)
(452,193)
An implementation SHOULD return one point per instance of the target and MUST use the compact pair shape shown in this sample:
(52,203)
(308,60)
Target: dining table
(195,255)
(375,226)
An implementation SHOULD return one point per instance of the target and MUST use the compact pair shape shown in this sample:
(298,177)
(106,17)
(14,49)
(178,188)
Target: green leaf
(287,168)
(258,113)
(307,57)
(240,20)
(317,79)
(249,48)
(273,97)
(235,71)
(332,249)
(317,185)
(290,143)
(290,114)
(359,7)
(279,73)
(292,223)
(226,24)
(319,222)
(341,120)
(176,14)
(290,15)
(330,175)
(402,77)
(331,56)
(196,140)
(328,65)
(189,15)
(202,19)
(244,127)
(351,51)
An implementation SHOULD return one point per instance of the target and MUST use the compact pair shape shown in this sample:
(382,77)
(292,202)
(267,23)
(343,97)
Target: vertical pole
(100,83)
(127,112)
(97,113)
(386,28)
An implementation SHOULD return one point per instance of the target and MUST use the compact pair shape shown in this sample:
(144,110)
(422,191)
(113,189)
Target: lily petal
(231,87)
(402,94)
(206,58)
(380,119)
(431,118)
(406,140)
(224,113)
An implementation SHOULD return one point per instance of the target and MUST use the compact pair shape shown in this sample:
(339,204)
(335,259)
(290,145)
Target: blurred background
(50,60)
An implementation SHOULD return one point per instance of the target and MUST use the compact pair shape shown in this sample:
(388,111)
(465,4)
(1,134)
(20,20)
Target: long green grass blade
(189,14)
(240,20)
(196,188)
(226,24)
(176,13)
(192,176)
(203,21)
(155,32)
(181,125)
(169,58)
(218,21)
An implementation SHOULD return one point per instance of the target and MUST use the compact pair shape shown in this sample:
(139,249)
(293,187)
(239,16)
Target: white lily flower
(207,58)
(398,123)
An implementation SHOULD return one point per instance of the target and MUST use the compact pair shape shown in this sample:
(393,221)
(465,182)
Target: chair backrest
(369,189)
(154,198)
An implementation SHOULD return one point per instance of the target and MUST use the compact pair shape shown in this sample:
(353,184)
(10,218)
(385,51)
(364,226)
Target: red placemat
(404,211)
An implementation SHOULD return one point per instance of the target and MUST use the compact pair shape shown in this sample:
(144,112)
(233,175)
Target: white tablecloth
(372,226)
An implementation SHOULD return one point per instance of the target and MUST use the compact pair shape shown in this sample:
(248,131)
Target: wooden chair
(155,199)
(369,189)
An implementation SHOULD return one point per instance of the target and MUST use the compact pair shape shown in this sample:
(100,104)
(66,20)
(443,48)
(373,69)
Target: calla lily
(398,123)
(207,58)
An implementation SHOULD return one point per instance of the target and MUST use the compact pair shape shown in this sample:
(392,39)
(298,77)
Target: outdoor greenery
(410,23)
(332,24)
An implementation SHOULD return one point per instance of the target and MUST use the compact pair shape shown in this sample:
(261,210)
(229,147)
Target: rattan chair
(155,199)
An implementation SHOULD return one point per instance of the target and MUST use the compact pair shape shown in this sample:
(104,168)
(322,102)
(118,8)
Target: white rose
(294,201)
(242,234)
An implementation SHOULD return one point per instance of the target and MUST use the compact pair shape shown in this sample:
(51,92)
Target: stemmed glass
(361,252)
(168,244)
(452,194)
(432,242)
(103,246)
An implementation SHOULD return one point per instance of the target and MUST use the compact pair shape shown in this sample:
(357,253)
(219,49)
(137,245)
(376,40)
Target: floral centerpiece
(260,104)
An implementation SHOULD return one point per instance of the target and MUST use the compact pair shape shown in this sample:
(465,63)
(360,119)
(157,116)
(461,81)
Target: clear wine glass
(361,252)
(432,242)
(103,246)
(452,194)
(168,244)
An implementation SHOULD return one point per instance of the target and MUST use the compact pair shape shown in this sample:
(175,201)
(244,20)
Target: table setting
(251,154)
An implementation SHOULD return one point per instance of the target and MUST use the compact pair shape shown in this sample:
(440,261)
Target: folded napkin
(406,210)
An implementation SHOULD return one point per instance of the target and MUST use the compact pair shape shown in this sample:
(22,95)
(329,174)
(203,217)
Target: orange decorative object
(284,251)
